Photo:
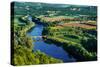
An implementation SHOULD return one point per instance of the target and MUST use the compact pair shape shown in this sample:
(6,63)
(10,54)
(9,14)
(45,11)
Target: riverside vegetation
(79,42)
(23,54)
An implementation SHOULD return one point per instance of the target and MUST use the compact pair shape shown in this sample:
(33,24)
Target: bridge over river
(38,38)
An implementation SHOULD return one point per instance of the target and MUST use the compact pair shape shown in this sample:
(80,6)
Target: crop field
(58,18)
(77,25)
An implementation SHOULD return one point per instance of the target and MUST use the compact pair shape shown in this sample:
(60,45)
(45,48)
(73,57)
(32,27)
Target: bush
(75,49)
(22,47)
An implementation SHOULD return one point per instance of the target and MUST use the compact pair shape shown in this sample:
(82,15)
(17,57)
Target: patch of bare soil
(77,25)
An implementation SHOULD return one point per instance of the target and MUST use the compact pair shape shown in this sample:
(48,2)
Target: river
(49,49)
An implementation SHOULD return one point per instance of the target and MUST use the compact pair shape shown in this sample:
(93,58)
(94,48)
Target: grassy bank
(80,42)
(74,49)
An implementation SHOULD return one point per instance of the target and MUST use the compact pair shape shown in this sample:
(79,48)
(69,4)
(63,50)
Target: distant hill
(37,8)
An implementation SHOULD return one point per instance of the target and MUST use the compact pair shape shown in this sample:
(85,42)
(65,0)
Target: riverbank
(76,50)
(22,48)
(79,42)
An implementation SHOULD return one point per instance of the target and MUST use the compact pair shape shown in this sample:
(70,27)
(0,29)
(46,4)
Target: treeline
(74,49)
(81,43)
(22,47)
(35,9)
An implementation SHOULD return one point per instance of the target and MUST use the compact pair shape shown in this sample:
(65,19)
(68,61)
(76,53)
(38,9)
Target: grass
(72,40)
(73,48)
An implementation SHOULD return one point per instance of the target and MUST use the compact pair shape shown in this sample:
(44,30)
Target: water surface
(49,49)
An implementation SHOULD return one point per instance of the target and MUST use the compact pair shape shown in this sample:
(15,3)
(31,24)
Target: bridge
(38,38)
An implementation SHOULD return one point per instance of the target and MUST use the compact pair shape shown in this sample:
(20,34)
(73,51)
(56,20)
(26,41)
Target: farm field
(57,18)
(77,25)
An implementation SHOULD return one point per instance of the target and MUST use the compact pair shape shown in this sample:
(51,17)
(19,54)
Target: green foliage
(80,43)
(90,44)
(24,56)
(23,45)
(75,49)
(56,9)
